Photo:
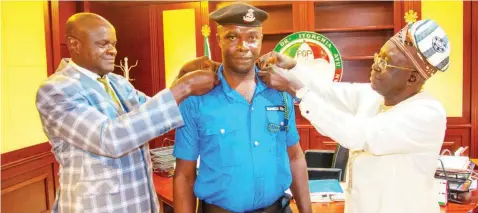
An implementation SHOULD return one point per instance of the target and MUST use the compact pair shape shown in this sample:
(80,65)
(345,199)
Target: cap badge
(439,44)
(249,17)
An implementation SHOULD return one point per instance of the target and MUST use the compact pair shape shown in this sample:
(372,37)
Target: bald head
(91,42)
(81,22)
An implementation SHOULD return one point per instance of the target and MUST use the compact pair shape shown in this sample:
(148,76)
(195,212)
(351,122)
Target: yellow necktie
(109,90)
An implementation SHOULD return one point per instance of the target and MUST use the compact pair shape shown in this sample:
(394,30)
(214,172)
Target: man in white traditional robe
(393,128)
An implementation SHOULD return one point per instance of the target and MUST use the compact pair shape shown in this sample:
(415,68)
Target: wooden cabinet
(357,28)
(28,180)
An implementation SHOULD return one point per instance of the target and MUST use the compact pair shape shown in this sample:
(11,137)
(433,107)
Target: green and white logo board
(314,51)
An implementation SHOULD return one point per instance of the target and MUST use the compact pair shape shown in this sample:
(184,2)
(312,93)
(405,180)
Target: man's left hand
(280,79)
(200,63)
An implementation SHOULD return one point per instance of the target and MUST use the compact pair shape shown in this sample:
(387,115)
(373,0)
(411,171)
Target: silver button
(282,123)
(256,143)
(222,131)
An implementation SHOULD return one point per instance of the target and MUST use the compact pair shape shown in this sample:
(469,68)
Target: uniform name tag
(275,108)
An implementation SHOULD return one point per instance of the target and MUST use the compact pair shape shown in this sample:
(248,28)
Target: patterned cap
(239,14)
(426,45)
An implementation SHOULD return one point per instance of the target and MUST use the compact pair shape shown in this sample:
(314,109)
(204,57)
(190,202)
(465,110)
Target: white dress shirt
(93,76)
(393,153)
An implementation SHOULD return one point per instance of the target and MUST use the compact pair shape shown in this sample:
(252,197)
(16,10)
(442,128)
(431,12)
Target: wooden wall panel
(361,43)
(279,20)
(36,187)
(48,37)
(317,141)
(456,138)
(269,42)
(55,33)
(67,9)
(470,62)
(357,38)
(304,134)
(373,13)
(56,15)
(411,5)
(357,71)
(329,144)
(215,51)
(134,41)
(27,175)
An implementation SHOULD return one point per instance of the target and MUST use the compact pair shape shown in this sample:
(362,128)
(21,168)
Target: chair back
(324,173)
(326,164)
(341,158)
(319,158)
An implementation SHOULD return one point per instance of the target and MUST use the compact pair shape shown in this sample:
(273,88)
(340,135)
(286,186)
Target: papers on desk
(453,163)
(324,191)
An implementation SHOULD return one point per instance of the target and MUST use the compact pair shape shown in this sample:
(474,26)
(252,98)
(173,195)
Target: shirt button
(307,112)
(222,131)
(282,123)
(252,108)
(256,143)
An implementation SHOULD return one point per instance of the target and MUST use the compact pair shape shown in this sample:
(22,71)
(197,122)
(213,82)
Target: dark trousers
(280,206)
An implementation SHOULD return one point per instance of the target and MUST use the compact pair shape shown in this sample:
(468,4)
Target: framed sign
(314,51)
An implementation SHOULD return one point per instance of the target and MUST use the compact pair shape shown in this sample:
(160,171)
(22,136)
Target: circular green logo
(314,51)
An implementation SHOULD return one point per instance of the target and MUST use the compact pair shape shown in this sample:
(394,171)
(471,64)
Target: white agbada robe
(395,151)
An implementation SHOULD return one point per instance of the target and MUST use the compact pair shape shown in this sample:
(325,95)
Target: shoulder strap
(285,127)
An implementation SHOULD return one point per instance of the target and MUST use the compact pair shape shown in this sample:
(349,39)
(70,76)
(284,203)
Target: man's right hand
(197,82)
(280,79)
(277,59)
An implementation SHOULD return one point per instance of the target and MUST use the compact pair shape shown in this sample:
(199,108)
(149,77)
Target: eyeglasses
(381,65)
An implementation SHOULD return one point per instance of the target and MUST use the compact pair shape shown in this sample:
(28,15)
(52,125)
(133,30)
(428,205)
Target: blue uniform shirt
(243,164)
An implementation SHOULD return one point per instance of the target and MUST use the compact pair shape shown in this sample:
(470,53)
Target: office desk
(338,207)
(164,190)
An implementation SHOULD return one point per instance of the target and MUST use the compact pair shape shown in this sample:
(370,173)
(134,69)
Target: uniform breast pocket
(220,143)
(277,128)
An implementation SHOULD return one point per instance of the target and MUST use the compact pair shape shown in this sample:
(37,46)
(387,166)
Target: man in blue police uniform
(244,132)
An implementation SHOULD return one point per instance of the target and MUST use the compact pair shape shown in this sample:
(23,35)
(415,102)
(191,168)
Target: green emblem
(314,51)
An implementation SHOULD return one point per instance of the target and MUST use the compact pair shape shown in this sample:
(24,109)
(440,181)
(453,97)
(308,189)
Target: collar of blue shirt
(233,94)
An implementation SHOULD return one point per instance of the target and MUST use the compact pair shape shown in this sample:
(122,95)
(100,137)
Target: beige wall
(448,86)
(23,68)
(181,41)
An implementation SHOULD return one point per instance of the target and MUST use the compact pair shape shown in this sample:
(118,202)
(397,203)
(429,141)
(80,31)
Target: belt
(281,205)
